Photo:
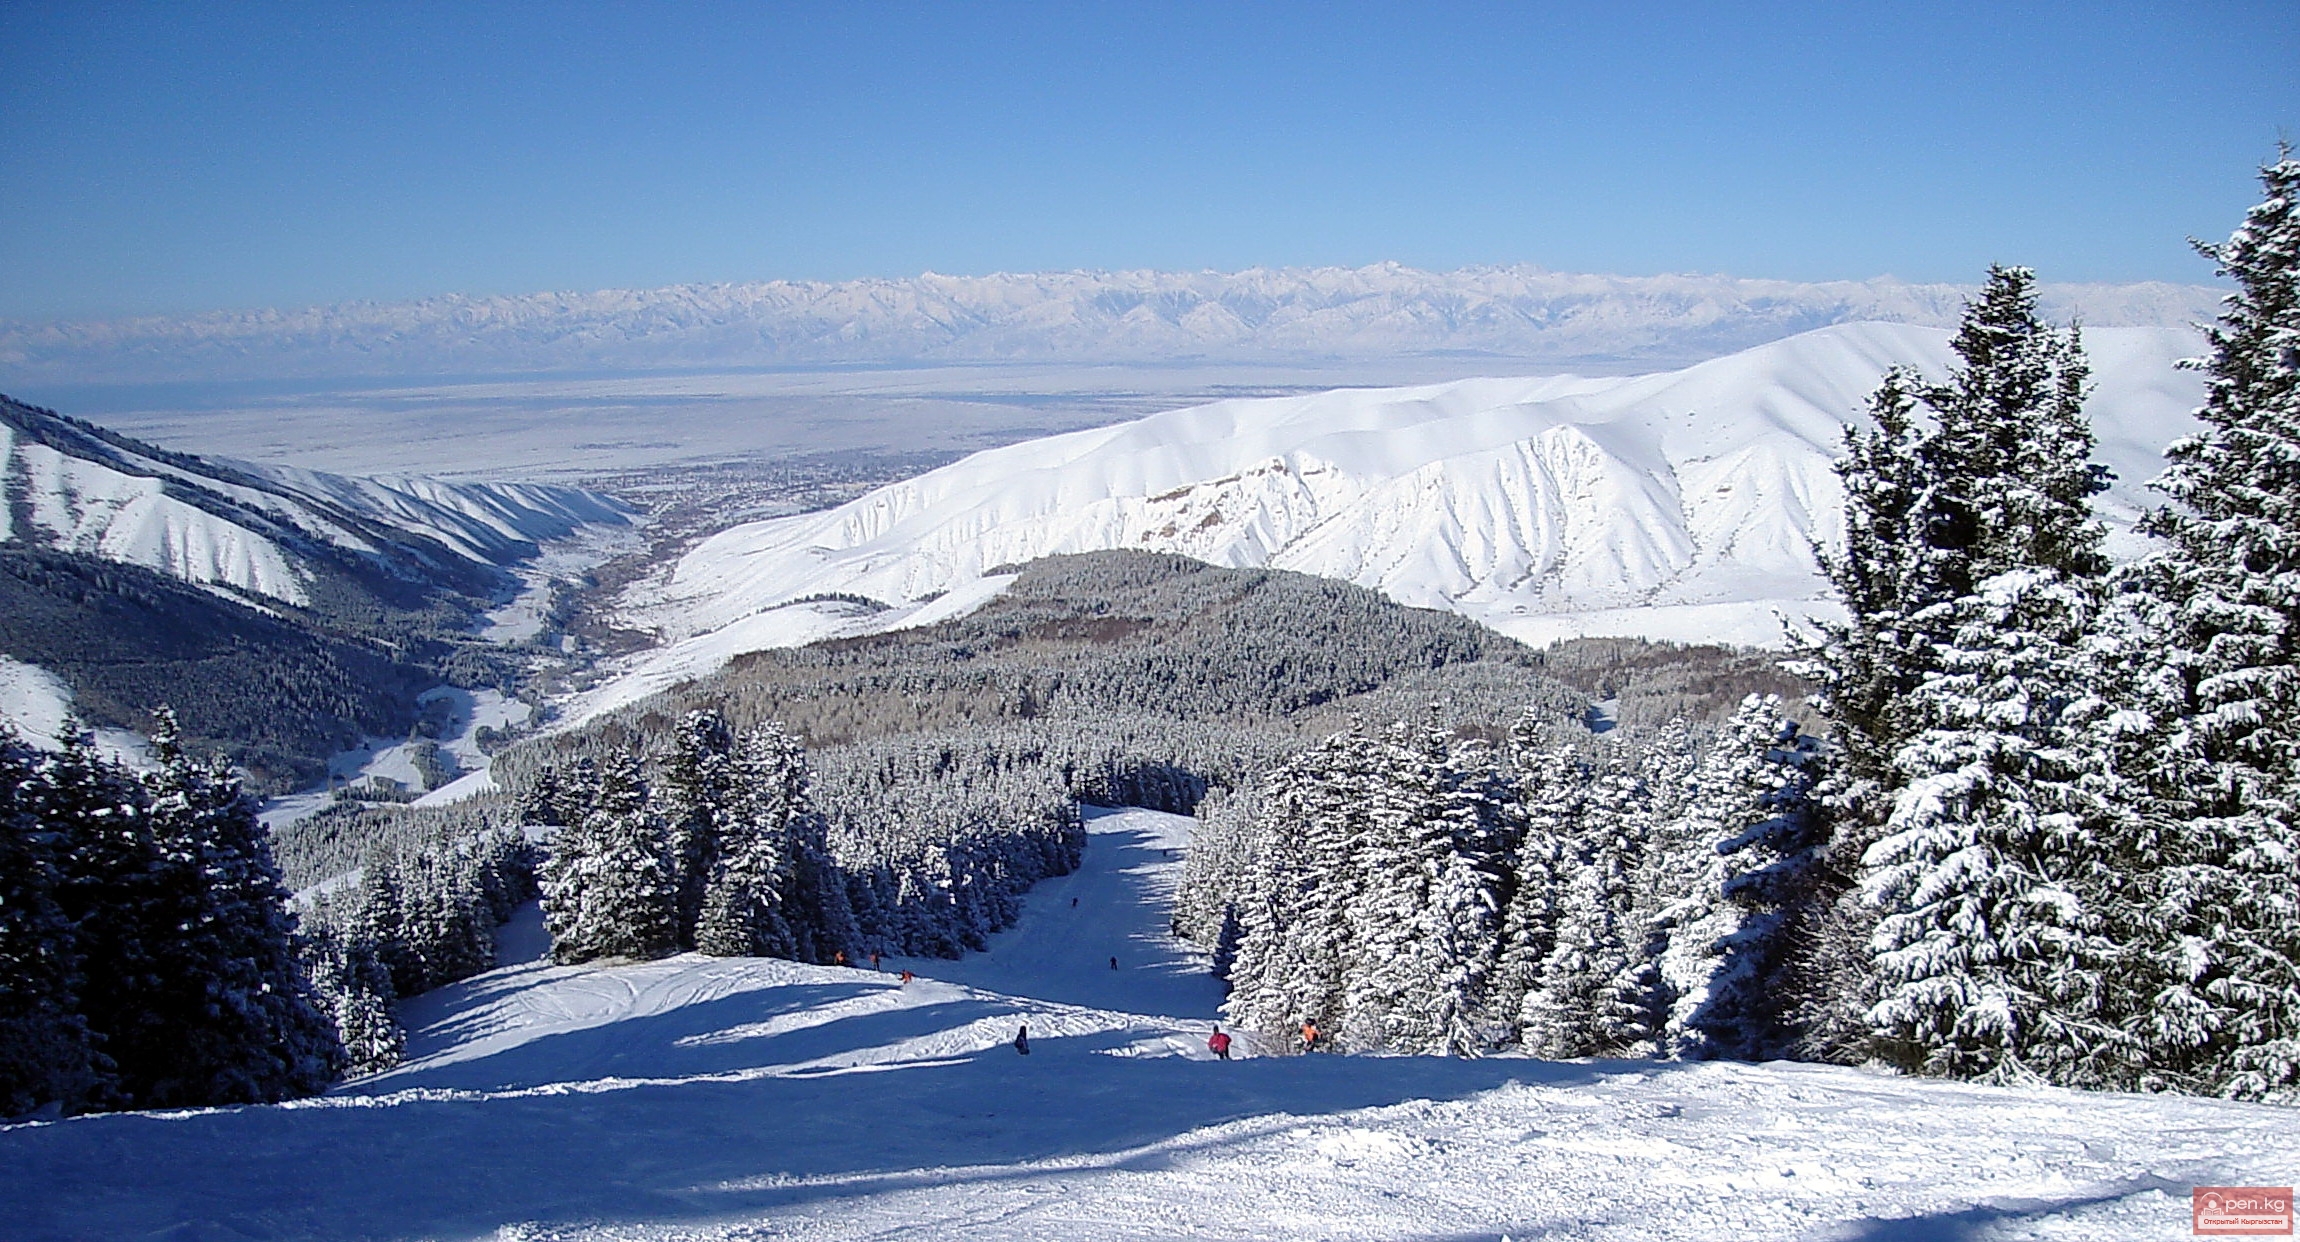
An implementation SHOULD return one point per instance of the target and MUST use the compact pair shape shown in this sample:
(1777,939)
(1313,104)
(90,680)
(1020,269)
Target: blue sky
(169,157)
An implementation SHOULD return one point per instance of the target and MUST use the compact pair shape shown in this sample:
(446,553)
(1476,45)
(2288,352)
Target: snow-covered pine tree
(108,889)
(226,1015)
(1552,787)
(1586,1000)
(446,926)
(1746,811)
(1484,826)
(2000,481)
(44,1054)
(1994,953)
(1294,944)
(817,907)
(609,889)
(2218,612)
(699,788)
(354,989)
(1887,573)
(1424,922)
(742,912)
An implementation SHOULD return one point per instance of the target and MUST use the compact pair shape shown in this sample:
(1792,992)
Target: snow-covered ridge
(1684,504)
(250,528)
(1264,313)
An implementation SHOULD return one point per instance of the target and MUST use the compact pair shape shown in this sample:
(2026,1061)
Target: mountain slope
(1678,505)
(284,614)
(268,531)
(1383,310)
(720,1099)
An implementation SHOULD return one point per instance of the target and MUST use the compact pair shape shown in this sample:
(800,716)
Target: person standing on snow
(1022,1040)
(1309,1037)
(1219,1043)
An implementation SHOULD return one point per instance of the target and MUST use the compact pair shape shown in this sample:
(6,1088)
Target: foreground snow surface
(725,1099)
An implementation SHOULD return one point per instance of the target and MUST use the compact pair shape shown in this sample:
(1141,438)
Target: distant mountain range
(1263,314)
(1680,505)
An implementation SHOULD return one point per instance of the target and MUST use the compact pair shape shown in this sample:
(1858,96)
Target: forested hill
(275,694)
(1133,633)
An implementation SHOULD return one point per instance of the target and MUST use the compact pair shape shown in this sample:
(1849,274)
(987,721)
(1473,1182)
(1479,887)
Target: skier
(1114,963)
(1309,1037)
(840,957)
(1074,903)
(1022,1040)
(907,977)
(1219,1043)
(874,961)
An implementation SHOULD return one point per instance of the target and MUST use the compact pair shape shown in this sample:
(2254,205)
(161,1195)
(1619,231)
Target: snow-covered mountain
(1678,505)
(1263,314)
(255,529)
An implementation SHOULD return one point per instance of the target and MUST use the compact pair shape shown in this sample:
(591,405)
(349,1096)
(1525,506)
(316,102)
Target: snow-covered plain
(1680,505)
(698,1098)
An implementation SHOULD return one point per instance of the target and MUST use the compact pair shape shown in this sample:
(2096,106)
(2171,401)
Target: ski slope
(698,1098)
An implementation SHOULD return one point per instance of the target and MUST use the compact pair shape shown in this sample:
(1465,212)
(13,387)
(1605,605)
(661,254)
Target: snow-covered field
(730,1099)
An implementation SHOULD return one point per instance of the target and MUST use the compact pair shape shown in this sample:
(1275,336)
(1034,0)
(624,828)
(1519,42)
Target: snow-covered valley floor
(734,1099)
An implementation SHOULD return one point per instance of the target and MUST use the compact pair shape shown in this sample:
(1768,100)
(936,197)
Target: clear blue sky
(176,156)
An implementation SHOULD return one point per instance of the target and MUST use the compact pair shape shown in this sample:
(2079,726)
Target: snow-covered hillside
(224,524)
(1384,310)
(699,1098)
(1676,505)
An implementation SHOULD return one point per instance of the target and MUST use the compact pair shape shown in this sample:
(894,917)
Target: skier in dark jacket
(1022,1040)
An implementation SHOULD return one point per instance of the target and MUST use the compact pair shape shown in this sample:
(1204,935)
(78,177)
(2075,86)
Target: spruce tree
(226,1015)
(44,1053)
(609,886)
(1998,482)
(354,989)
(700,787)
(745,904)
(1723,935)
(1994,955)
(1590,996)
(2218,610)
(1552,787)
